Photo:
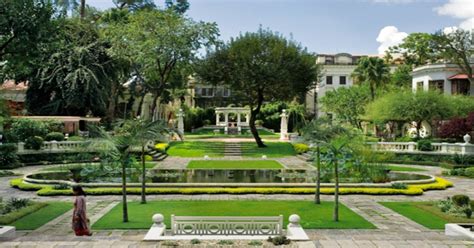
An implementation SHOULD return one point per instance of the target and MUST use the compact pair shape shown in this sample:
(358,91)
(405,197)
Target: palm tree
(318,132)
(337,152)
(66,5)
(120,146)
(371,70)
(143,132)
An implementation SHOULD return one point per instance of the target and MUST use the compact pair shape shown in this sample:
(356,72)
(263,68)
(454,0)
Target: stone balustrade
(412,147)
(52,147)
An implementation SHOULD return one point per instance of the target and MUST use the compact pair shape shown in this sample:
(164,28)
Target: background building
(446,78)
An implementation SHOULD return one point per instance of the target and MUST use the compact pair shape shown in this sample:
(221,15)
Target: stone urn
(467,138)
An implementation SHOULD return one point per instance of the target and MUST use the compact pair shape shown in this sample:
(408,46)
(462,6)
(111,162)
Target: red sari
(79,218)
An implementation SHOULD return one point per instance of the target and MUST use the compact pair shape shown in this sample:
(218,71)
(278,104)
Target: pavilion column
(238,119)
(247,119)
(217,118)
(226,120)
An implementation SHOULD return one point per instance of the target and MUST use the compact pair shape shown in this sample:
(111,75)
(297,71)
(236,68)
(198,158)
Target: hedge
(48,190)
(15,215)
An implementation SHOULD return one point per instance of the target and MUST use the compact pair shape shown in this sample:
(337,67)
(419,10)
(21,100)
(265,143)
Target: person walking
(80,222)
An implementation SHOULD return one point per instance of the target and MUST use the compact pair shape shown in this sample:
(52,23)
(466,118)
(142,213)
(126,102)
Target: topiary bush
(57,136)
(461,200)
(34,143)
(300,148)
(425,145)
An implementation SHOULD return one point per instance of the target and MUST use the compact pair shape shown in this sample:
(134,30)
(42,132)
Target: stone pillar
(247,119)
(284,126)
(238,119)
(226,120)
(180,116)
(217,118)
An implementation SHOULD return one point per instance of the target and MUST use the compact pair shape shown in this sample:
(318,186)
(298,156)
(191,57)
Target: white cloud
(460,9)
(389,36)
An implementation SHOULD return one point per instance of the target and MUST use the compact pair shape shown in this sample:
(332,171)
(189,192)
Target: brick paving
(393,230)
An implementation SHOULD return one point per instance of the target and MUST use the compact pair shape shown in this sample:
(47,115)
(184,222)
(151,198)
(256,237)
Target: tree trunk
(140,105)
(82,10)
(143,176)
(336,192)
(317,196)
(372,91)
(254,131)
(124,192)
(153,106)
(110,115)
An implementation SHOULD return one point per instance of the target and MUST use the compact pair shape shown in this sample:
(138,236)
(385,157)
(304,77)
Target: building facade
(446,78)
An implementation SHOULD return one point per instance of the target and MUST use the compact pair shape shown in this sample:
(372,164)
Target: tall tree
(372,71)
(134,4)
(76,74)
(66,5)
(159,42)
(457,47)
(179,6)
(261,66)
(25,26)
(347,103)
(416,49)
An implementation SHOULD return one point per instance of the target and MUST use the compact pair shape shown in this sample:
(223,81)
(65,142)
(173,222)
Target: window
(460,87)
(207,92)
(419,85)
(342,80)
(226,92)
(328,79)
(437,85)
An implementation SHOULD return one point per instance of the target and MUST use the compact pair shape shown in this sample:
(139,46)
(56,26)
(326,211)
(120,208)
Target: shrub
(445,205)
(455,128)
(399,186)
(206,122)
(6,173)
(34,143)
(225,242)
(61,186)
(425,145)
(279,240)
(255,243)
(259,122)
(170,243)
(54,136)
(75,138)
(467,211)
(163,147)
(195,241)
(300,148)
(23,129)
(461,200)
(13,216)
(8,156)
(469,172)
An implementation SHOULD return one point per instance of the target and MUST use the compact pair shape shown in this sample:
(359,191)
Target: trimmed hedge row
(15,215)
(48,190)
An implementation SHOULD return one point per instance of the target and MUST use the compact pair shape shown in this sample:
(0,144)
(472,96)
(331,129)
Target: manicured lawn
(403,168)
(273,149)
(42,216)
(424,213)
(234,164)
(312,215)
(196,149)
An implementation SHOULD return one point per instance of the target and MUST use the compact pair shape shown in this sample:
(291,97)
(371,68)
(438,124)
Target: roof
(12,86)
(459,76)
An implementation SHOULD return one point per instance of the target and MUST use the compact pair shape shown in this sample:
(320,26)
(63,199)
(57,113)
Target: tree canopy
(372,71)
(259,67)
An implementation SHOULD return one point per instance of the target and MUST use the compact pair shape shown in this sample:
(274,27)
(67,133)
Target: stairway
(232,149)
(156,154)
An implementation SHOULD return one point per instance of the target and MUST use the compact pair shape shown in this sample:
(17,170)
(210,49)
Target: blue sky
(331,26)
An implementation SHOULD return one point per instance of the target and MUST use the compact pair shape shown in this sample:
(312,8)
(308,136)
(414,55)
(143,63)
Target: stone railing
(412,147)
(52,147)
(226,225)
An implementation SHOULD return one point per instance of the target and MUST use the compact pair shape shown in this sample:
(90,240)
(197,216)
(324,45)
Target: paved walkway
(393,230)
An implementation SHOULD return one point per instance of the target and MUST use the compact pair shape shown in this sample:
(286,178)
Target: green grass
(193,149)
(312,215)
(424,213)
(196,149)
(42,216)
(234,164)
(403,168)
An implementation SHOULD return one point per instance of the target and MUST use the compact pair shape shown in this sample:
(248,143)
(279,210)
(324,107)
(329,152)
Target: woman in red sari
(80,223)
